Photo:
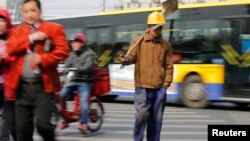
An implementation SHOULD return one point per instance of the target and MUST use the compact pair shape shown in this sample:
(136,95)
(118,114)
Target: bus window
(196,41)
(123,36)
(92,43)
(91,34)
(192,29)
(125,33)
(120,48)
(104,35)
(100,40)
(245,36)
(73,31)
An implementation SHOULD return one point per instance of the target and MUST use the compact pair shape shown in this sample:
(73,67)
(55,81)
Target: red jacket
(6,63)
(16,46)
(8,93)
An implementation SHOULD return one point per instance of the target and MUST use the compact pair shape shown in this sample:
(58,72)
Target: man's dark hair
(38,3)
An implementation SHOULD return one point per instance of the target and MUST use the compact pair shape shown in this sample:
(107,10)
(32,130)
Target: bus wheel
(193,92)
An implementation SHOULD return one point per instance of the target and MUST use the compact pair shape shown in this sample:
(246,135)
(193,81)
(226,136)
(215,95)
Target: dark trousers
(33,104)
(10,118)
(7,119)
(4,133)
(149,104)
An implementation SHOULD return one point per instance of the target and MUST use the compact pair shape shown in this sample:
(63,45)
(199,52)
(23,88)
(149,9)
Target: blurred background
(66,8)
(211,53)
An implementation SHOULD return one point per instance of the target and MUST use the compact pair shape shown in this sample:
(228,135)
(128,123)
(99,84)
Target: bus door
(235,49)
(100,41)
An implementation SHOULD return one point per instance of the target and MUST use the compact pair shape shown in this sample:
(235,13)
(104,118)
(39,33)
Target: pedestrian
(38,47)
(7,117)
(80,64)
(153,75)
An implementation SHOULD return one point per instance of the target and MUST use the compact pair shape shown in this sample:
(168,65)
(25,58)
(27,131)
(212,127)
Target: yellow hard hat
(156,18)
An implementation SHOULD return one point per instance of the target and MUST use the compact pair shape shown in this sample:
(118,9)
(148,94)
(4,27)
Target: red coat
(16,46)
(8,93)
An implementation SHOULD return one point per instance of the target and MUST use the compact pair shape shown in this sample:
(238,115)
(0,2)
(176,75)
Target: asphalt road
(179,124)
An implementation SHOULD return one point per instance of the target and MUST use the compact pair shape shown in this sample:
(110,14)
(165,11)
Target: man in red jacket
(38,46)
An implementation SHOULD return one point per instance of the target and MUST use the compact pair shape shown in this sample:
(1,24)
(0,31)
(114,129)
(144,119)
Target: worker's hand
(166,85)
(122,59)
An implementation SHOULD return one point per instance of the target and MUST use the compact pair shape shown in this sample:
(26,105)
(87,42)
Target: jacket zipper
(152,63)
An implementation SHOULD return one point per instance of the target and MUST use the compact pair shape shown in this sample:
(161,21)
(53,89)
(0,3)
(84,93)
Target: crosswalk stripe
(110,139)
(130,109)
(133,111)
(115,105)
(169,121)
(105,125)
(131,132)
(163,126)
(167,133)
(167,116)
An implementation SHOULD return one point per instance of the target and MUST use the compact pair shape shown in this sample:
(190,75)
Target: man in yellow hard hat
(153,75)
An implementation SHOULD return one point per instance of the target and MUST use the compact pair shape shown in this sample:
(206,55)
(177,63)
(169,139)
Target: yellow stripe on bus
(213,4)
(180,6)
(210,73)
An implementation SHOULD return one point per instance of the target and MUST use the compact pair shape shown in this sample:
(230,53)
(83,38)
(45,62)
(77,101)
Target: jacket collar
(81,51)
(148,38)
(36,25)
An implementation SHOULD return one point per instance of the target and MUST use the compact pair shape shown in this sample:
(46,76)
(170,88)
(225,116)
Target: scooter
(96,110)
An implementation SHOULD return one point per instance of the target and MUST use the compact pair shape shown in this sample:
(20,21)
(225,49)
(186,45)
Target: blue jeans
(149,104)
(84,90)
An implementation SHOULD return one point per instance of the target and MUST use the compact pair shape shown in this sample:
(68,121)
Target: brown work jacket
(153,62)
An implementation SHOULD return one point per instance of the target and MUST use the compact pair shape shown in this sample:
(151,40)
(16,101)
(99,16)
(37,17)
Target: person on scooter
(79,65)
